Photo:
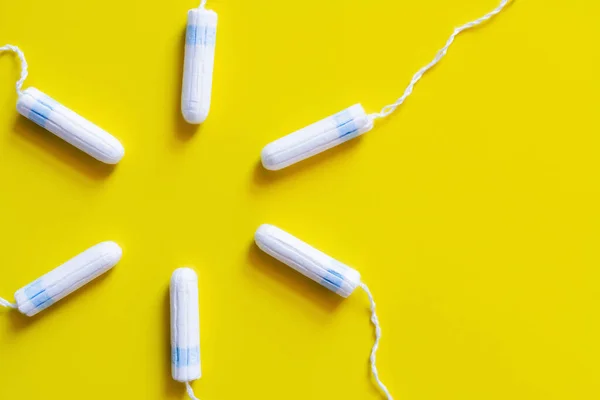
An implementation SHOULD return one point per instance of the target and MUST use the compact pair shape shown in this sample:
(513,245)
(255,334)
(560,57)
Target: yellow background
(473,212)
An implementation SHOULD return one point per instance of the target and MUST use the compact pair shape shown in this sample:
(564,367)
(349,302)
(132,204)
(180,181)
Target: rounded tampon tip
(266,156)
(194,116)
(111,251)
(262,232)
(114,153)
(184,274)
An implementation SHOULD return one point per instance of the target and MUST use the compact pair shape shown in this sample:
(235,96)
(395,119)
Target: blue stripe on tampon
(183,357)
(190,34)
(33,289)
(332,280)
(347,129)
(39,113)
(42,301)
(200,35)
(37,295)
(345,124)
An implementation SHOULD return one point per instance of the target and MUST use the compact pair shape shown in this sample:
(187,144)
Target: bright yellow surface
(473,212)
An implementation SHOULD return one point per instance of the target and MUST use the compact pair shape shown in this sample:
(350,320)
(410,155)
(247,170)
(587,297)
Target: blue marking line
(332,280)
(183,357)
(39,113)
(200,35)
(33,289)
(345,124)
(190,34)
(37,295)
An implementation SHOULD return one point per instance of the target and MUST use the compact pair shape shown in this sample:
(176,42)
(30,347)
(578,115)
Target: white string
(373,357)
(203,3)
(19,53)
(7,303)
(190,391)
(387,110)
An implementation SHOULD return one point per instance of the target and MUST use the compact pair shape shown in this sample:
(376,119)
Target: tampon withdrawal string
(373,357)
(353,121)
(7,304)
(190,391)
(19,87)
(390,108)
(19,53)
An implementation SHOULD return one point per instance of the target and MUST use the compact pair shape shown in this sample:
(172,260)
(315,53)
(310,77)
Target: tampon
(69,126)
(185,326)
(64,280)
(198,64)
(354,121)
(316,138)
(307,260)
(323,269)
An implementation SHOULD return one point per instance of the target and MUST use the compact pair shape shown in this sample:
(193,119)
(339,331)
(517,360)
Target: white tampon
(323,269)
(64,280)
(316,138)
(185,327)
(69,126)
(198,64)
(307,260)
(64,123)
(353,121)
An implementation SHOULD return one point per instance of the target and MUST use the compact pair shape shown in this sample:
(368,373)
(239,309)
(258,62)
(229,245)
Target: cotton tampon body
(69,126)
(185,327)
(316,138)
(307,260)
(65,279)
(61,121)
(323,269)
(198,64)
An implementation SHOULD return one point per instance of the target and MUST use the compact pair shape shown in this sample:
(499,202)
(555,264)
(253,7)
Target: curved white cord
(373,357)
(19,53)
(387,110)
(190,391)
(202,3)
(7,303)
